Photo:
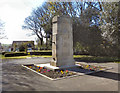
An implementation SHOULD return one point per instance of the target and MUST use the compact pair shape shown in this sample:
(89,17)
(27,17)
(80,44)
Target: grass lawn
(85,58)
(22,57)
(96,59)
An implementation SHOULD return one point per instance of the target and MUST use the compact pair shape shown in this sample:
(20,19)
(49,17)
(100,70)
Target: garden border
(77,73)
(49,77)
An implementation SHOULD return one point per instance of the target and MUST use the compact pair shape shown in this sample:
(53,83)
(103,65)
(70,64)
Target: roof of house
(19,42)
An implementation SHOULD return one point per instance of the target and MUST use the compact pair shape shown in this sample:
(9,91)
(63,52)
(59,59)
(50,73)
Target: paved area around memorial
(17,78)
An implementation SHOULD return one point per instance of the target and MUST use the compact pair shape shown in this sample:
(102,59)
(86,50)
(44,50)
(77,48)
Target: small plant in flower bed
(50,73)
(91,67)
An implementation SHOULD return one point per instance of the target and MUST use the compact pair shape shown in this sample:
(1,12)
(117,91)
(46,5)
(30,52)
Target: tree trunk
(41,41)
(46,43)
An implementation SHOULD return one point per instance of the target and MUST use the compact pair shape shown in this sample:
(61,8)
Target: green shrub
(3,53)
(21,48)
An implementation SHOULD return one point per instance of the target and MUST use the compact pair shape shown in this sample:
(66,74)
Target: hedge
(12,54)
(40,53)
(15,54)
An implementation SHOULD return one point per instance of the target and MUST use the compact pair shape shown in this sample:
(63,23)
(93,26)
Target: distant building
(27,45)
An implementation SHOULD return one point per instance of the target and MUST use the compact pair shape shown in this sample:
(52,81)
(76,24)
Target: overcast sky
(13,13)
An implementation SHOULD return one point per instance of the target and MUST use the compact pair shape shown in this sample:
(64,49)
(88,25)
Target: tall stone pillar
(62,42)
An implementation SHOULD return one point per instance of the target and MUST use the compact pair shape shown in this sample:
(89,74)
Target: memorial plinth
(62,42)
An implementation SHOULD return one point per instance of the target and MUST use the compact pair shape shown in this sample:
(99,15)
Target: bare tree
(33,23)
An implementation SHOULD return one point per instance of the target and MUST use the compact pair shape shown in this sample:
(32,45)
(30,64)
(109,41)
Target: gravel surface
(17,78)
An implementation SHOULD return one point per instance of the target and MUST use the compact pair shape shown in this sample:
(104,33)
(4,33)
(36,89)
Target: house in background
(22,46)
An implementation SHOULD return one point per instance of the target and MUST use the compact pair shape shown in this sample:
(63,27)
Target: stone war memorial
(62,42)
(62,64)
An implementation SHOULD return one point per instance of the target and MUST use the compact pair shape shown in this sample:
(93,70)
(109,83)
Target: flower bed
(91,67)
(50,73)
